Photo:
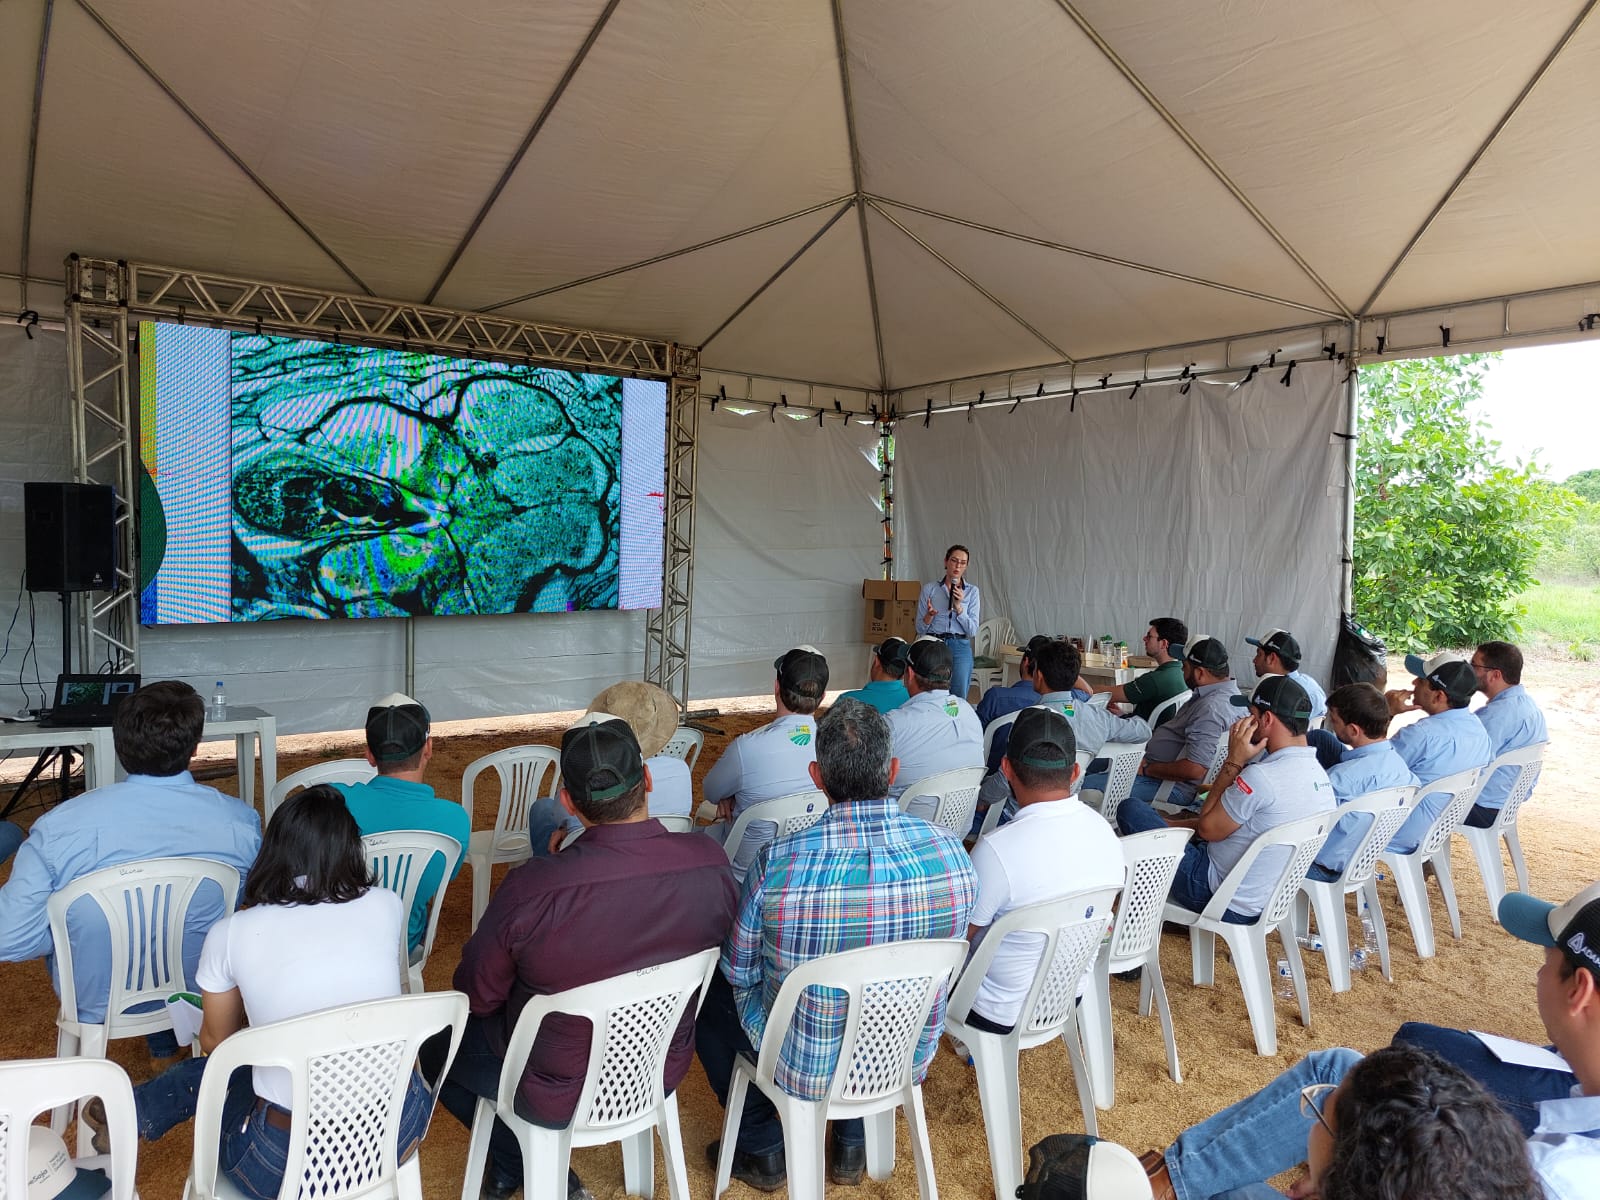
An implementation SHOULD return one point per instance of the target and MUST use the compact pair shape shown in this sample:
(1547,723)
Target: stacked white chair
(340,770)
(30,1086)
(1070,930)
(889,992)
(633,1018)
(523,772)
(1485,842)
(950,797)
(398,860)
(1410,880)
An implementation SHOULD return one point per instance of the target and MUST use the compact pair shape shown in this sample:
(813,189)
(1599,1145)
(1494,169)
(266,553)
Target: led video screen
(293,478)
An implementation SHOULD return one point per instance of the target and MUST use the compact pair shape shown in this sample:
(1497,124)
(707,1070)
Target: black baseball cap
(1207,652)
(1042,737)
(1282,643)
(893,650)
(1031,649)
(397,727)
(802,671)
(930,659)
(1456,679)
(1077,1166)
(1282,697)
(600,758)
(1573,927)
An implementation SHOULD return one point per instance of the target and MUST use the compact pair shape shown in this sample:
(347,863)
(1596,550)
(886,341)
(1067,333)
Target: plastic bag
(1359,656)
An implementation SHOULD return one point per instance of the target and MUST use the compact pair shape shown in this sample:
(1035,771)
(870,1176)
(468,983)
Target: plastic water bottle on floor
(1285,980)
(219,703)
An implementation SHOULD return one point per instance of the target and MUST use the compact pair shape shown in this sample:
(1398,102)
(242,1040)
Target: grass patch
(1565,615)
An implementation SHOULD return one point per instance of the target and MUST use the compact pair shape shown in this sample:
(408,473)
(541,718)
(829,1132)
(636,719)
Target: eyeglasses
(956,562)
(1311,1103)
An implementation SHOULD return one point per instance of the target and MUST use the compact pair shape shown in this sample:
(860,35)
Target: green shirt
(386,804)
(1148,690)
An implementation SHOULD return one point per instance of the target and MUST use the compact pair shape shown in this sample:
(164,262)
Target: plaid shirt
(863,875)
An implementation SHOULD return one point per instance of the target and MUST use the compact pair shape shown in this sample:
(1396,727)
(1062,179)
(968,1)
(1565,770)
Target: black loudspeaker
(71,535)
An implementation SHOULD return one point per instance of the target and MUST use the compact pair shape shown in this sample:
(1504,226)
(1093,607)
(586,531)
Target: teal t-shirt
(385,804)
(883,694)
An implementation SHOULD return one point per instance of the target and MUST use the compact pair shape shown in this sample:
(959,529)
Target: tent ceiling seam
(973,283)
(668,255)
(837,7)
(1199,152)
(774,277)
(226,149)
(527,141)
(1097,256)
(33,149)
(1483,148)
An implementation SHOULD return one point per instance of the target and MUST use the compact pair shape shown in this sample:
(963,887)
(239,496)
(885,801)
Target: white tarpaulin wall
(1222,508)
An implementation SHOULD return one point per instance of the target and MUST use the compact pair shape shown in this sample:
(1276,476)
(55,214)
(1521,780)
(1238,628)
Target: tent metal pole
(668,628)
(33,148)
(411,656)
(1352,429)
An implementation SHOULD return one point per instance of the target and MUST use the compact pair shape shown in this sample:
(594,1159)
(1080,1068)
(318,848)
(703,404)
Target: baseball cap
(600,758)
(1280,642)
(397,726)
(1422,669)
(650,712)
(52,1174)
(1279,695)
(1208,652)
(1456,679)
(930,659)
(892,650)
(1042,737)
(1031,648)
(1076,1166)
(802,671)
(1574,927)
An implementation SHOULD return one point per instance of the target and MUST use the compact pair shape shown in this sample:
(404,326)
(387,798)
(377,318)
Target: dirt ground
(1484,981)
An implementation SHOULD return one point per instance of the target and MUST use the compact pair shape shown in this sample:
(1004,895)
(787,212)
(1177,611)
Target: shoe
(846,1164)
(575,1188)
(1154,1163)
(764,1172)
(498,1191)
(1133,976)
(93,1114)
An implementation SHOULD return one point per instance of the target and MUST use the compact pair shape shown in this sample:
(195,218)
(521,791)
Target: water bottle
(1358,959)
(1285,980)
(219,703)
(1369,933)
(1312,943)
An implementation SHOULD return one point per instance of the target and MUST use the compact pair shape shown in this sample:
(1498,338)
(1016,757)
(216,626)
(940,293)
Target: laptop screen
(75,690)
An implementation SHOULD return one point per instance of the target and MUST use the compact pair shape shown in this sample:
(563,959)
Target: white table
(254,732)
(99,760)
(1011,660)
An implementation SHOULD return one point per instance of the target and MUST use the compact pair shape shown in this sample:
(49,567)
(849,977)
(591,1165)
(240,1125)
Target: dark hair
(310,853)
(609,812)
(894,669)
(1058,661)
(1411,1126)
(1502,657)
(1048,778)
(1362,705)
(797,702)
(157,729)
(853,752)
(1170,630)
(959,547)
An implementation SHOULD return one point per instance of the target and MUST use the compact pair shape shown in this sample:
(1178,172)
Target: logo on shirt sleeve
(800,735)
(1243,786)
(951,708)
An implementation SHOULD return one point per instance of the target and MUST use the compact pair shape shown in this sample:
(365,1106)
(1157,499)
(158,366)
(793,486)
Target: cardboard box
(890,609)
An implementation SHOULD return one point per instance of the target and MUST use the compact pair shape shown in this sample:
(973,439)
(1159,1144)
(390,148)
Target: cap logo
(801,735)
(951,708)
(1579,945)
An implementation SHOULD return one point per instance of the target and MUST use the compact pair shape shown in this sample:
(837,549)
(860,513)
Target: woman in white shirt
(315,932)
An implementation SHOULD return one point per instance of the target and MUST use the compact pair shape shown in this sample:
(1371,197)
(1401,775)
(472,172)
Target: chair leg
(408,1179)
(639,1165)
(1485,846)
(478,1148)
(546,1154)
(1158,989)
(737,1086)
(804,1128)
(1518,863)
(67,1046)
(994,1061)
(880,1144)
(1332,924)
(480,889)
(1297,968)
(1380,927)
(1202,956)
(1072,1035)
(921,1149)
(1094,1016)
(1447,889)
(671,1134)
(1248,946)
(1413,891)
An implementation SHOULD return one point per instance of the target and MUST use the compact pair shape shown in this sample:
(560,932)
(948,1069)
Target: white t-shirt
(1271,791)
(291,959)
(1048,850)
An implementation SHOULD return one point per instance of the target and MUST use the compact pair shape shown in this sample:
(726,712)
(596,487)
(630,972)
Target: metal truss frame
(667,630)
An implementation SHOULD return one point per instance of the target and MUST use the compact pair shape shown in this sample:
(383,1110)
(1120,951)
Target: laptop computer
(87,700)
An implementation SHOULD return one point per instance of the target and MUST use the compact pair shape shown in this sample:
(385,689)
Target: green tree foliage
(1586,484)
(1446,534)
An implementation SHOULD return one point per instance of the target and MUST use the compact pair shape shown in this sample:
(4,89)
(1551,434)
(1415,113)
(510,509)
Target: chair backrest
(1124,758)
(1302,837)
(349,1071)
(1218,757)
(1389,808)
(1167,707)
(1462,788)
(686,744)
(633,1017)
(994,727)
(340,770)
(791,814)
(145,905)
(1152,860)
(523,772)
(1071,929)
(30,1086)
(398,860)
(988,639)
(1528,761)
(888,990)
(957,797)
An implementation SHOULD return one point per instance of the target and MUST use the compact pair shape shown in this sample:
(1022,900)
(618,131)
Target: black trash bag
(1359,656)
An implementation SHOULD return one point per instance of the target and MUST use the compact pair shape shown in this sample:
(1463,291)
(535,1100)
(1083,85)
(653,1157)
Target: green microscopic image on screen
(294,478)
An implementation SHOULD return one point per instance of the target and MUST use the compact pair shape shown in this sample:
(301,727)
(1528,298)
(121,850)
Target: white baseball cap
(52,1175)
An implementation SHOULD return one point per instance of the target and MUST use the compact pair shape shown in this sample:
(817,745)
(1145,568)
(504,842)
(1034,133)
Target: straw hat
(649,711)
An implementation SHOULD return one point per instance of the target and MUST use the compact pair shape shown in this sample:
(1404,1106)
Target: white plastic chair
(349,1069)
(633,1018)
(889,990)
(994,727)
(992,818)
(1389,808)
(991,636)
(30,1086)
(1247,944)
(1069,931)
(145,906)
(522,771)
(1167,785)
(1409,878)
(1152,860)
(950,798)
(398,860)
(1167,707)
(782,815)
(686,744)
(1485,842)
(1124,758)
(340,770)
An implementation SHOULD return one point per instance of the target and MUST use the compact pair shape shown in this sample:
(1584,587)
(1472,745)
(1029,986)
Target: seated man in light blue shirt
(935,731)
(399,745)
(1449,739)
(886,674)
(1512,719)
(1359,717)
(1278,653)
(159,811)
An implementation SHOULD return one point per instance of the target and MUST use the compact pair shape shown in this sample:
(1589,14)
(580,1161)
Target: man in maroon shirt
(625,895)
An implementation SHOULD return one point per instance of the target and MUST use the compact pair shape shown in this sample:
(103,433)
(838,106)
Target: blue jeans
(252,1154)
(11,836)
(1191,886)
(1256,1138)
(545,816)
(960,666)
(1518,1090)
